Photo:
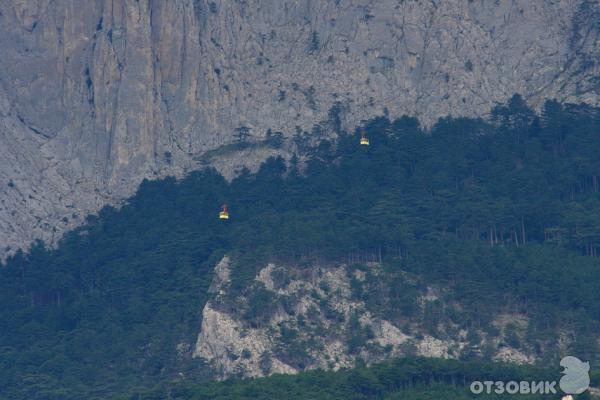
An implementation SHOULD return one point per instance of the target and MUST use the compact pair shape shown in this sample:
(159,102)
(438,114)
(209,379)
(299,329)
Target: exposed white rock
(387,334)
(508,354)
(264,276)
(432,347)
(233,349)
(321,326)
(221,276)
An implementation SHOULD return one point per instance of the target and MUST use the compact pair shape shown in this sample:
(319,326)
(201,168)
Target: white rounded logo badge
(576,379)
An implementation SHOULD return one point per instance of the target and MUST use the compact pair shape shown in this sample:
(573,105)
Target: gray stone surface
(315,306)
(95,95)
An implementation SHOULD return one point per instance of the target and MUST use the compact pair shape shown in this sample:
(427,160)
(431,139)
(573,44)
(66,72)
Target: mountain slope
(469,213)
(95,97)
(407,378)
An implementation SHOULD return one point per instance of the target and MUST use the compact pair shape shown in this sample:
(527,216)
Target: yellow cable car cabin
(224,214)
(363,139)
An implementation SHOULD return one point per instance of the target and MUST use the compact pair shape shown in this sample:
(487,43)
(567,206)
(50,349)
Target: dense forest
(408,378)
(505,213)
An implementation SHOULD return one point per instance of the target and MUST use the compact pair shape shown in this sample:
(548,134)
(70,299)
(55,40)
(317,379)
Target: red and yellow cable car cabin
(224,214)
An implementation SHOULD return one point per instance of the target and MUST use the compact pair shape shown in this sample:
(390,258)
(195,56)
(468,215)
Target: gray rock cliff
(313,317)
(97,95)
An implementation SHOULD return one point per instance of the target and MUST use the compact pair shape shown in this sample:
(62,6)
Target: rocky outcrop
(97,95)
(292,319)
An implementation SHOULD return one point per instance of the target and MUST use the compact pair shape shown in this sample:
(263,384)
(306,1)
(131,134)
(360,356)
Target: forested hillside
(419,378)
(505,214)
(97,95)
(401,379)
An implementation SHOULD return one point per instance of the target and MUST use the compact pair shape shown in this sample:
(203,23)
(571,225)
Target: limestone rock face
(299,317)
(290,319)
(97,95)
